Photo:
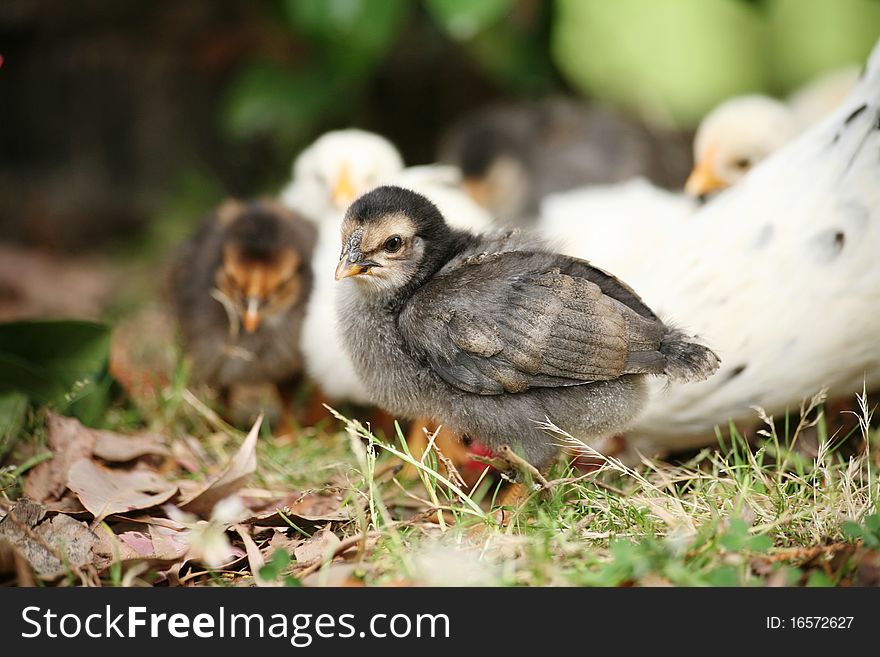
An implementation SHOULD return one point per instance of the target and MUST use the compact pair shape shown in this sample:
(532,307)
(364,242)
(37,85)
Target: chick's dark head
(260,271)
(392,236)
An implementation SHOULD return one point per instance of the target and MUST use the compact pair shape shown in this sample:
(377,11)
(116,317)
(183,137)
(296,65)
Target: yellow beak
(252,317)
(345,269)
(477,189)
(703,179)
(343,192)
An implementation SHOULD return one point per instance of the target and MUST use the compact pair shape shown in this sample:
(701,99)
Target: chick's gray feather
(511,321)
(493,335)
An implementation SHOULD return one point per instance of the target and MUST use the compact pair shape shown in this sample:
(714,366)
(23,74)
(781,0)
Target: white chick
(742,131)
(337,168)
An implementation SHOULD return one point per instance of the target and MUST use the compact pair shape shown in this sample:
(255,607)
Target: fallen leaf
(28,511)
(281,541)
(233,477)
(255,557)
(12,561)
(335,575)
(52,547)
(69,441)
(305,510)
(188,453)
(155,545)
(104,492)
(115,447)
(319,546)
(139,542)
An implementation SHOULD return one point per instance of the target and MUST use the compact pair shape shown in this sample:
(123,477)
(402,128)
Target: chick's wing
(508,322)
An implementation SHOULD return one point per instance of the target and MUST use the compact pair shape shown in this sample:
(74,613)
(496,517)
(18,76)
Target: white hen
(616,227)
(780,275)
(333,171)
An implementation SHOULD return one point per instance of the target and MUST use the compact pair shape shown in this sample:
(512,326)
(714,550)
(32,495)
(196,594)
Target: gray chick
(492,335)
(512,155)
(239,288)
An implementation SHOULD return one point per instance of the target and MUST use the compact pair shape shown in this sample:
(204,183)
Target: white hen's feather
(781,276)
(615,227)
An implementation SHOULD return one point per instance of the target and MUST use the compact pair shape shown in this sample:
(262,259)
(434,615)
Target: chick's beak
(343,192)
(703,180)
(347,268)
(252,316)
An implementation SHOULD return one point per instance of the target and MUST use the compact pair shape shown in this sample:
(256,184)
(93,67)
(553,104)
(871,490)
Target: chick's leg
(516,493)
(445,440)
(314,410)
(288,426)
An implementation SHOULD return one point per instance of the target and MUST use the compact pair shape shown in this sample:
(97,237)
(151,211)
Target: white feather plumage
(781,276)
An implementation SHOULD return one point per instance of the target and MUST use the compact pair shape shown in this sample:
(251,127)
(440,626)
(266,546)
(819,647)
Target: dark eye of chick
(743,163)
(393,244)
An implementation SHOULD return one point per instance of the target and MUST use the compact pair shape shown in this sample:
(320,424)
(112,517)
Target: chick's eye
(743,163)
(393,244)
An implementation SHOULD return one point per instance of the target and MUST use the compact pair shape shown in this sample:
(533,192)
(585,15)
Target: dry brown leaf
(335,575)
(281,541)
(119,449)
(255,557)
(103,491)
(155,544)
(69,441)
(305,510)
(320,545)
(52,547)
(233,477)
(12,561)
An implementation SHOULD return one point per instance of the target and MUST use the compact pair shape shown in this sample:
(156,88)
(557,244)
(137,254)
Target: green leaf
(51,360)
(515,53)
(852,530)
(759,543)
(724,576)
(270,100)
(291,581)
(351,34)
(13,410)
(273,568)
(819,579)
(280,559)
(734,539)
(464,19)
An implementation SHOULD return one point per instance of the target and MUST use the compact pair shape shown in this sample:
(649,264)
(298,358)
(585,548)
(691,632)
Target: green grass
(795,506)
(733,515)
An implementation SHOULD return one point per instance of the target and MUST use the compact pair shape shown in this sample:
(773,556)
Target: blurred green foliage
(344,40)
(61,363)
(668,61)
(13,410)
(340,44)
(672,61)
